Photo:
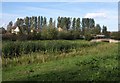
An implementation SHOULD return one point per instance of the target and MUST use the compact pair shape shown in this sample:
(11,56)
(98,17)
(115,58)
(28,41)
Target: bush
(88,37)
(46,34)
(9,36)
(115,35)
(19,47)
(75,34)
(64,35)
(11,49)
(49,33)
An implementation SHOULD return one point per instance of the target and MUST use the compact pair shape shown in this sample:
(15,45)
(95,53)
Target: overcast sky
(104,13)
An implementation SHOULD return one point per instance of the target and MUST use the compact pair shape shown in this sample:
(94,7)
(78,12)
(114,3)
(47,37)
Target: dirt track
(105,40)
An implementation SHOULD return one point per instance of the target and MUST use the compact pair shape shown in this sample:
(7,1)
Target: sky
(104,13)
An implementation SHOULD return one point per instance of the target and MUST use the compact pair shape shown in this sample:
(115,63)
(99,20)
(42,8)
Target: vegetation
(44,29)
(96,62)
(75,28)
(115,35)
(50,51)
(11,49)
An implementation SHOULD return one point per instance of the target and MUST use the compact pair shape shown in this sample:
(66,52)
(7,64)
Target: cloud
(96,15)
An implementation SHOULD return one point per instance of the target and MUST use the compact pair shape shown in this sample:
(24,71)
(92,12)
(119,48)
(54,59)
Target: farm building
(99,36)
(15,30)
(60,29)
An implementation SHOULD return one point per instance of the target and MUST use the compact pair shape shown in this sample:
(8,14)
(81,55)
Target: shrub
(26,47)
(9,36)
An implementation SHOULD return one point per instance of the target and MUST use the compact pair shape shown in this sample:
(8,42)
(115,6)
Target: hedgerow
(11,49)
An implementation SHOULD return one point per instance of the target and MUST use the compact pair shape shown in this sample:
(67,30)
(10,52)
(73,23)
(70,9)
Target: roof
(100,35)
(60,29)
(17,29)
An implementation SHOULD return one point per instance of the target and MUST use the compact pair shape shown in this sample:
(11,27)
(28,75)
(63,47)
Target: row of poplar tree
(84,26)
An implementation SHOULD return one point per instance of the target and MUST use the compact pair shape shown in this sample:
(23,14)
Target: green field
(77,60)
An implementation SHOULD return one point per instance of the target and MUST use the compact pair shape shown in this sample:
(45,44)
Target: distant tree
(58,22)
(87,23)
(44,22)
(97,29)
(9,26)
(104,30)
(74,24)
(51,23)
(78,24)
(91,23)
(86,27)
(35,23)
(54,23)
(66,27)
(68,23)
(39,22)
(83,26)
(62,23)
(27,21)
(83,22)
(18,22)
(30,22)
(10,23)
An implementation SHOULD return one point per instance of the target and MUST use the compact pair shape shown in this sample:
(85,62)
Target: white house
(60,29)
(15,30)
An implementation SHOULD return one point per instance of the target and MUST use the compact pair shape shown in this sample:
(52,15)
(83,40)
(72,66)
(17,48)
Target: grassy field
(92,62)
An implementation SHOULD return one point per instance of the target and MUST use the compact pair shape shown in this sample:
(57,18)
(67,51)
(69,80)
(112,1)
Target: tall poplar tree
(51,23)
(78,24)
(41,22)
(35,18)
(58,22)
(44,22)
(74,24)
(38,22)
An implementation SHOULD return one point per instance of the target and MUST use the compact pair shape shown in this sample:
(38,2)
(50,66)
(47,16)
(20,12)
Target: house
(15,30)
(12,29)
(99,36)
(60,29)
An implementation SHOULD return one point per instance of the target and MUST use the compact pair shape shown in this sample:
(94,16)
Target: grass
(44,56)
(89,63)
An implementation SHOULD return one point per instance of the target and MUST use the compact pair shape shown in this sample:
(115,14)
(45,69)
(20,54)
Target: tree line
(72,28)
